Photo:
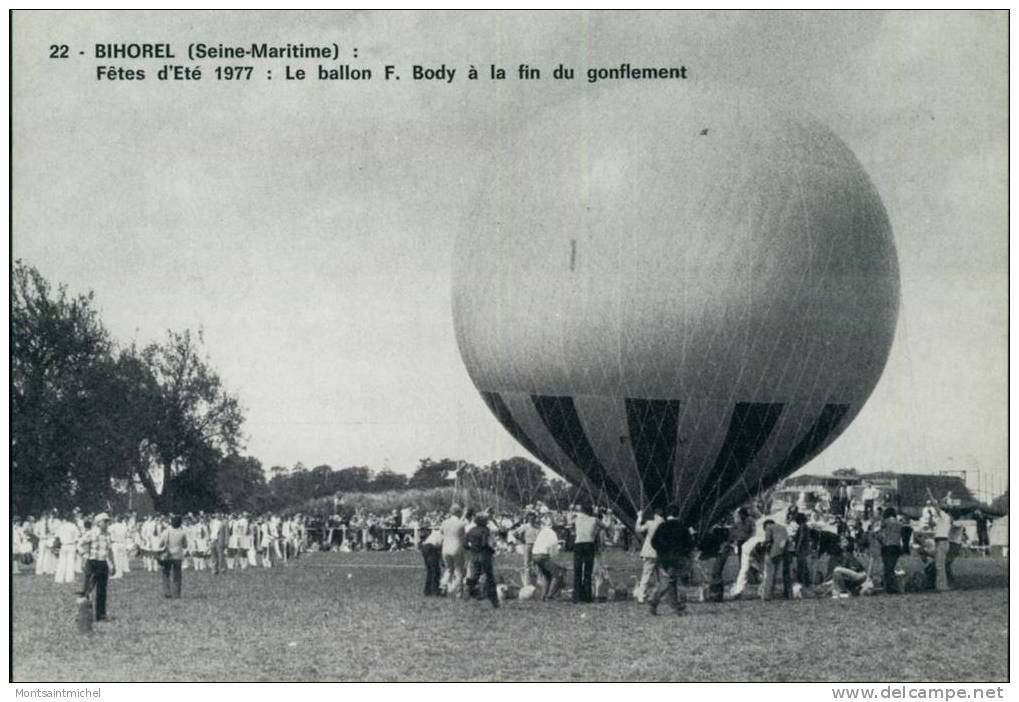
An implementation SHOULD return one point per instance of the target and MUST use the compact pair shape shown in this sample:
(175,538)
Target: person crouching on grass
(479,543)
(849,573)
(546,544)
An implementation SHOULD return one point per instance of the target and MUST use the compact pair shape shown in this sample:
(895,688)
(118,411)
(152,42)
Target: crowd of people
(406,528)
(90,549)
(811,552)
(53,543)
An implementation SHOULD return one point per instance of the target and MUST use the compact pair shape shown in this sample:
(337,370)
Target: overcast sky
(308,227)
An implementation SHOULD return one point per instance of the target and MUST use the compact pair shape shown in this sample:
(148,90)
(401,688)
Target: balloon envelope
(675,295)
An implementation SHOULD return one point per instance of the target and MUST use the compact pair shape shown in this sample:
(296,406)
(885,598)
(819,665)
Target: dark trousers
(171,577)
(907,538)
(433,568)
(583,565)
(774,564)
(803,575)
(482,565)
(553,574)
(669,573)
(889,557)
(717,587)
(98,578)
(86,578)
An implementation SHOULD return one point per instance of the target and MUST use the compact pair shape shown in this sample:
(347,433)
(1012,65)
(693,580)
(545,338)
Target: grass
(357,616)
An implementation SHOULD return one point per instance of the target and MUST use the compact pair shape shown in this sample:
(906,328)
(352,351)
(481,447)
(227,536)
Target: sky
(308,227)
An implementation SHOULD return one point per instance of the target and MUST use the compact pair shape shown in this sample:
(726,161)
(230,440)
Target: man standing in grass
(673,544)
(479,543)
(453,534)
(431,551)
(942,530)
(175,546)
(648,556)
(97,549)
(587,528)
(776,556)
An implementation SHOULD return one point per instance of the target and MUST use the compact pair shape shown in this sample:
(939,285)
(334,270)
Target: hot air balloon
(675,295)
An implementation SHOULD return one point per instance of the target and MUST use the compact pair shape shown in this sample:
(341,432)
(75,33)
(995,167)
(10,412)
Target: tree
(1000,503)
(60,359)
(388,480)
(240,483)
(353,479)
(432,474)
(520,480)
(194,416)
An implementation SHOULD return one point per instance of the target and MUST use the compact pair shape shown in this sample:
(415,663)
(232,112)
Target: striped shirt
(95,545)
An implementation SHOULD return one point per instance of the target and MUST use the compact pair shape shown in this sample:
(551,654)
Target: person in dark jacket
(802,546)
(890,538)
(673,545)
(431,551)
(778,557)
(479,545)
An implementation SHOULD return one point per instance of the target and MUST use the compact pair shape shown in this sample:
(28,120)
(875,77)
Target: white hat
(101,517)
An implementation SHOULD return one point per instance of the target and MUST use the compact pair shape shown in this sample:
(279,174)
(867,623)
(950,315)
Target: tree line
(92,419)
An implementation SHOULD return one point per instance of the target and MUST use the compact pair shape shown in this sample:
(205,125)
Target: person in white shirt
(44,531)
(649,571)
(239,543)
(20,544)
(870,494)
(217,543)
(546,545)
(148,536)
(942,530)
(118,539)
(453,531)
(68,534)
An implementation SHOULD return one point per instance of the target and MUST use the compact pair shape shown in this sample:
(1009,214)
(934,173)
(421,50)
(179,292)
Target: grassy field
(332,616)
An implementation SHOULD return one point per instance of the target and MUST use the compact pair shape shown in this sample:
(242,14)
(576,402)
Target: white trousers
(65,565)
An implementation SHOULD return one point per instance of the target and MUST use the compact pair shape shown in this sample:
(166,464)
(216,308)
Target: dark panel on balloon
(749,427)
(819,432)
(654,425)
(823,427)
(502,413)
(560,417)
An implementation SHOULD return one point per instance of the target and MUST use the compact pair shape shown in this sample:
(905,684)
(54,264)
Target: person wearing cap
(97,547)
